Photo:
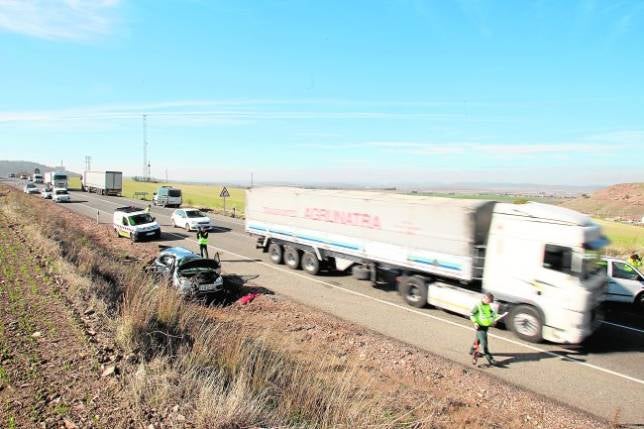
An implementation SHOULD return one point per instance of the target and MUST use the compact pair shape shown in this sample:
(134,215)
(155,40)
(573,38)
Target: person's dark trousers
(203,248)
(481,338)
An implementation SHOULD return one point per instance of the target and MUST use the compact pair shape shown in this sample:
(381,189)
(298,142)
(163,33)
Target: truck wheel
(276,253)
(414,291)
(360,272)
(526,323)
(292,257)
(310,263)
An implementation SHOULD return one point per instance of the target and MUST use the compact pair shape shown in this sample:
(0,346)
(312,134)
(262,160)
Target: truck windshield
(63,192)
(174,193)
(60,177)
(140,219)
(590,264)
(194,213)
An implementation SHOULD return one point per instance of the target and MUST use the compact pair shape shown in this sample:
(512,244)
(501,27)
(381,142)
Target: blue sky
(381,92)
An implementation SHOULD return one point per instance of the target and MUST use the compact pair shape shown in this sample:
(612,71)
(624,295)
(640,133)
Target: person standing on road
(147,209)
(483,316)
(202,239)
(635,261)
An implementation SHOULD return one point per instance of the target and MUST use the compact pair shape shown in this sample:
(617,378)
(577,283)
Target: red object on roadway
(248,298)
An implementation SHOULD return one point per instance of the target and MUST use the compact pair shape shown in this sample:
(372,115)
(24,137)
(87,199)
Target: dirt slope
(625,200)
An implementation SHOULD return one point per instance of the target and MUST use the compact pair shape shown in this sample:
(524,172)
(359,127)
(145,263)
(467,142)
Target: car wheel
(414,291)
(133,237)
(276,253)
(639,302)
(526,323)
(310,263)
(292,257)
(118,234)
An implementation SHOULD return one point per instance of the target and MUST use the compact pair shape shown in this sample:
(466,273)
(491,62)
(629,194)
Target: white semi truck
(103,182)
(56,179)
(37,178)
(540,261)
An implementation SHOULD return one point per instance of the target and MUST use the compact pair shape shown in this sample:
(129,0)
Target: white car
(191,220)
(625,282)
(30,188)
(61,195)
(47,193)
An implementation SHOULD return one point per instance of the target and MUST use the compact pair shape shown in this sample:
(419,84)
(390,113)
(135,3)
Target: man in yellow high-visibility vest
(202,239)
(483,316)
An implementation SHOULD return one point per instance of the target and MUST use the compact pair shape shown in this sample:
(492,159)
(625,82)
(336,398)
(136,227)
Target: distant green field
(206,196)
(494,197)
(624,238)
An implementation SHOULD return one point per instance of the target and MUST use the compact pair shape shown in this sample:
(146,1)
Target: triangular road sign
(224,193)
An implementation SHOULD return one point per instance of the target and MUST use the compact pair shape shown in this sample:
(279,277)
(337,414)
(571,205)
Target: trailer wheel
(360,272)
(310,263)
(526,323)
(276,253)
(414,291)
(292,257)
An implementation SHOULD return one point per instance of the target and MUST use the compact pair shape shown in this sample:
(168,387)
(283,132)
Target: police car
(135,224)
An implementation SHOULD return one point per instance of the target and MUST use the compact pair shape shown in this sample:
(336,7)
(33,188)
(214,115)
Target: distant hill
(625,200)
(19,167)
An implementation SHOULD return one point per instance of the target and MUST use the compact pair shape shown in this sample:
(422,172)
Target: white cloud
(58,19)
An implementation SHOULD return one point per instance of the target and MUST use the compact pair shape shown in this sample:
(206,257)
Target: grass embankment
(625,239)
(206,196)
(218,374)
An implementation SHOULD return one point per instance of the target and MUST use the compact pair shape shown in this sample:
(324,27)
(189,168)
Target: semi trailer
(539,261)
(103,182)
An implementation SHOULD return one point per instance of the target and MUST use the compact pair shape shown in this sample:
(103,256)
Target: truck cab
(135,224)
(37,178)
(542,262)
(167,196)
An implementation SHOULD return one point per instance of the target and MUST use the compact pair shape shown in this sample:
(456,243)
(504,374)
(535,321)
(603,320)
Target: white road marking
(96,197)
(430,316)
(409,309)
(623,326)
(168,216)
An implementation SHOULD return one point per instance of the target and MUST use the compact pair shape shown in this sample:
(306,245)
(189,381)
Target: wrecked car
(189,273)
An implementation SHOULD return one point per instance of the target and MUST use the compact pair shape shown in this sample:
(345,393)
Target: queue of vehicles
(541,262)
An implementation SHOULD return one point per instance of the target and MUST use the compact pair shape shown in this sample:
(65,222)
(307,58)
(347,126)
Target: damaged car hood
(199,263)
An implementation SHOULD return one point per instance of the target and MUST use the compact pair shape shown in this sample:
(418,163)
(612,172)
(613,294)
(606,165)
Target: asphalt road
(602,376)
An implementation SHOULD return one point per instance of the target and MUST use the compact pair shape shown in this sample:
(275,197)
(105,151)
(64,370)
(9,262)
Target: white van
(625,282)
(135,224)
(167,196)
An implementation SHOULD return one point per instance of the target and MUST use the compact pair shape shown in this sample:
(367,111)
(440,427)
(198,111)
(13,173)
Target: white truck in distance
(56,179)
(103,182)
(37,178)
(540,261)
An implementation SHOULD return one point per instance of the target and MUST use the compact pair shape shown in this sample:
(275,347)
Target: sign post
(224,194)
